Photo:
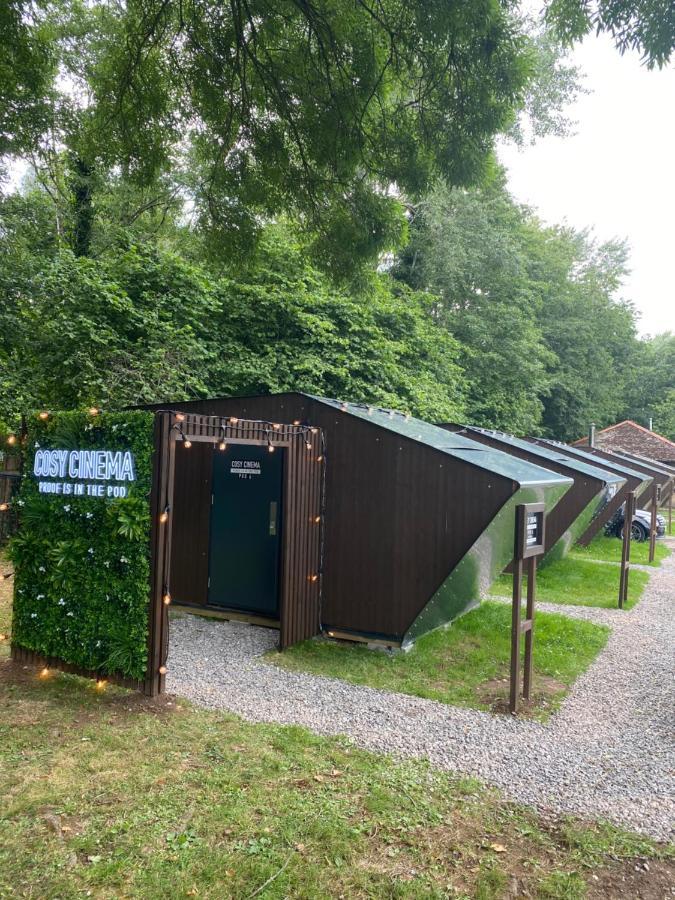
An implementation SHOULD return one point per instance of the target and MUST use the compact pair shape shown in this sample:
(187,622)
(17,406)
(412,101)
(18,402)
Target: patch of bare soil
(634,879)
(546,693)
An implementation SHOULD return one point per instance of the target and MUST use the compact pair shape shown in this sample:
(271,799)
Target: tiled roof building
(630,437)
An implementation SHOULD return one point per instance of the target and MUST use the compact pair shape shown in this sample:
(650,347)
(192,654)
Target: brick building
(629,437)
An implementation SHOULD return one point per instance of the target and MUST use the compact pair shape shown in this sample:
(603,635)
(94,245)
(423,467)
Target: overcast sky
(617,174)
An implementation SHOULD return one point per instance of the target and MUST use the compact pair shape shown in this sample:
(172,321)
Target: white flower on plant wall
(40,597)
(90,551)
(36,444)
(66,506)
(71,614)
(89,515)
(41,569)
(33,615)
(62,602)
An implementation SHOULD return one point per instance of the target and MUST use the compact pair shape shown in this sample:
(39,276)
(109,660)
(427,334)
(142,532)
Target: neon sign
(79,470)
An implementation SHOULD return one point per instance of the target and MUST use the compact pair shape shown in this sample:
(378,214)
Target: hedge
(81,563)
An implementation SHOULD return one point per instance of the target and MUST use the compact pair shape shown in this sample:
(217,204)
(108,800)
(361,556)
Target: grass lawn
(107,794)
(609,550)
(580,582)
(466,664)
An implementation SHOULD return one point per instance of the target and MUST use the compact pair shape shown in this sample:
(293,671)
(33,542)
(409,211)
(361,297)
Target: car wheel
(638,533)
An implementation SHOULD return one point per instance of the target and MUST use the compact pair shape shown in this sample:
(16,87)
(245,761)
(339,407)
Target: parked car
(641,524)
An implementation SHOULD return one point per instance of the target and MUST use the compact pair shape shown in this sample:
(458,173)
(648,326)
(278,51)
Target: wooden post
(160,553)
(514,693)
(670,509)
(652,521)
(528,625)
(528,544)
(629,511)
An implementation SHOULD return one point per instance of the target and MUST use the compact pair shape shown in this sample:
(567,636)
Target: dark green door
(246,529)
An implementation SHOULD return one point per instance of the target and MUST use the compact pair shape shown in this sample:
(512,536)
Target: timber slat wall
(661,477)
(633,483)
(399,516)
(571,504)
(301,505)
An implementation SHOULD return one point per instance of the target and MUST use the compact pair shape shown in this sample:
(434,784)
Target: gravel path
(609,752)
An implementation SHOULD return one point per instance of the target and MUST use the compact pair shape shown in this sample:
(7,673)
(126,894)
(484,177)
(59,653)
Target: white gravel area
(608,753)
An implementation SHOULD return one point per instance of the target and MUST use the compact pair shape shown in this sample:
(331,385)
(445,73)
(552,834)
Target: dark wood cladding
(570,506)
(399,516)
(662,478)
(632,483)
(302,519)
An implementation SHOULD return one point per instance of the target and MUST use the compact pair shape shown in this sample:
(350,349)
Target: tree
(591,332)
(652,365)
(467,249)
(28,67)
(330,111)
(647,26)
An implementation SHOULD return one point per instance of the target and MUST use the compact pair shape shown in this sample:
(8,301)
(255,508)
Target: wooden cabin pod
(416,522)
(578,515)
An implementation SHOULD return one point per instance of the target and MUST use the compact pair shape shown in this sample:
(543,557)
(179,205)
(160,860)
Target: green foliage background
(82,564)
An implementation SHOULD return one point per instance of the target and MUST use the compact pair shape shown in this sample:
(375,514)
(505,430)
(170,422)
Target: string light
(317,520)
(187,443)
(166,599)
(4,507)
(162,670)
(222,445)
(233,420)
(270,447)
(319,458)
(94,410)
(313,577)
(101,684)
(296,421)
(45,673)
(43,415)
(164,515)
(179,417)
(308,444)
(11,439)
(276,426)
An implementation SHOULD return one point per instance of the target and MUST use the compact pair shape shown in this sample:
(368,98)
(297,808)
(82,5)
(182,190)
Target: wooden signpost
(656,502)
(529,544)
(629,512)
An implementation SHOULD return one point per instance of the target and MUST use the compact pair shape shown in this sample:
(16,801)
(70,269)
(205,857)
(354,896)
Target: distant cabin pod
(581,513)
(638,481)
(662,476)
(413,523)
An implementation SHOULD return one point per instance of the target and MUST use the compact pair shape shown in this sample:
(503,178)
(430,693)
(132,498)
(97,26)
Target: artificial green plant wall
(81,562)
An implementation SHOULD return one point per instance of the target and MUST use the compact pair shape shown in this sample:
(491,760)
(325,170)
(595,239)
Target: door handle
(273,517)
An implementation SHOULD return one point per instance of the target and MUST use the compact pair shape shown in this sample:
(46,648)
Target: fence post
(656,497)
(629,512)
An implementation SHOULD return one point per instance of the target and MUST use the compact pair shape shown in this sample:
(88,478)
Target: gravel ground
(608,753)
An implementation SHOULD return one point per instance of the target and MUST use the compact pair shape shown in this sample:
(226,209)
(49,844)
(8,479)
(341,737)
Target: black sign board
(529,530)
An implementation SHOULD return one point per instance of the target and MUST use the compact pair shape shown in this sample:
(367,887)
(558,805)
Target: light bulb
(233,420)
(308,444)
(166,599)
(179,417)
(43,415)
(317,519)
(277,426)
(222,445)
(4,507)
(319,459)
(93,410)
(164,515)
(162,670)
(314,577)
(187,443)
(270,448)
(11,439)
